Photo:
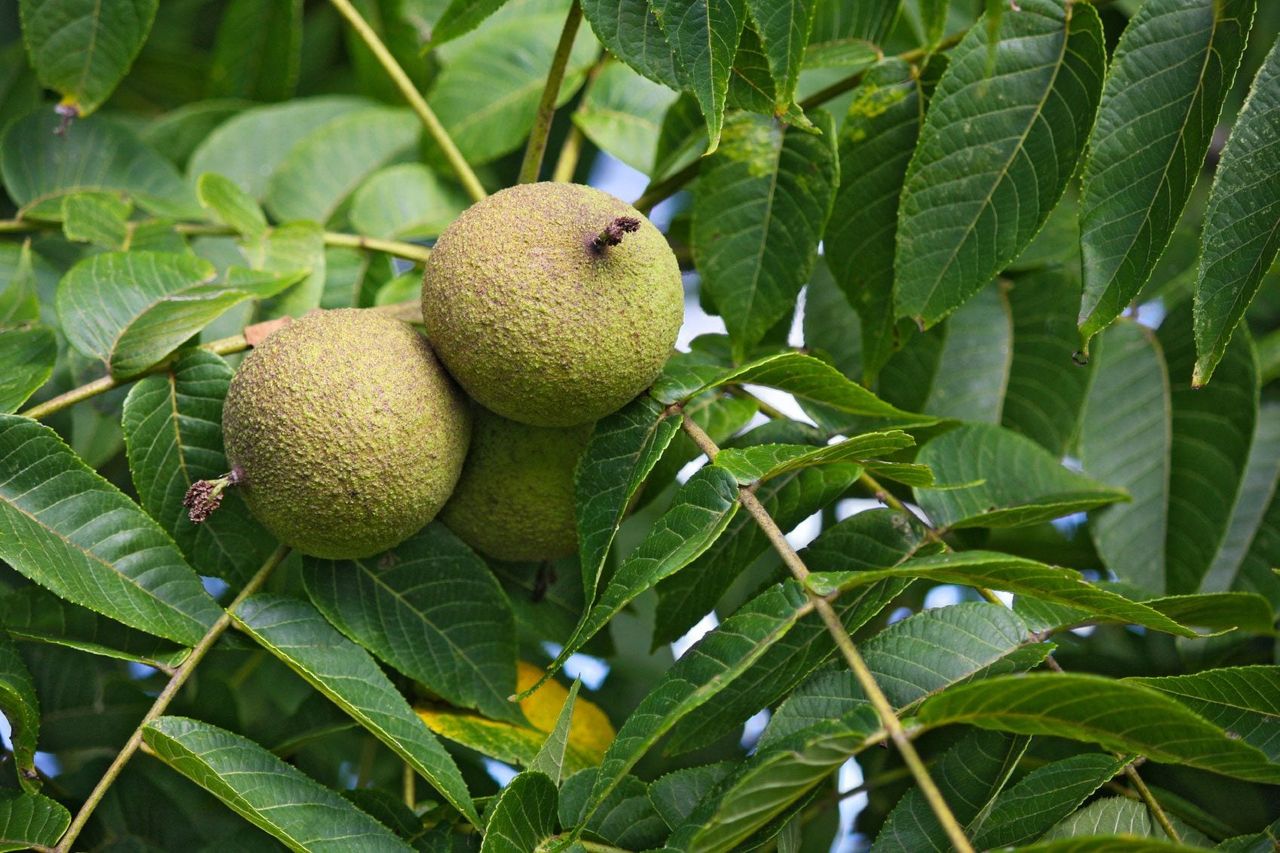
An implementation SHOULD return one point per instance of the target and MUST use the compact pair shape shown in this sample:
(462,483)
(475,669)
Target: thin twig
(1153,805)
(537,147)
(411,94)
(410,786)
(166,696)
(408,251)
(398,248)
(888,718)
(224,346)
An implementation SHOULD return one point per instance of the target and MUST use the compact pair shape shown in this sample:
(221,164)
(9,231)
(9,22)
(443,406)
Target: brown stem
(614,232)
(166,696)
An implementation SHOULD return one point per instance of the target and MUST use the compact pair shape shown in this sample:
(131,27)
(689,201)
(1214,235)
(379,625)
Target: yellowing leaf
(590,731)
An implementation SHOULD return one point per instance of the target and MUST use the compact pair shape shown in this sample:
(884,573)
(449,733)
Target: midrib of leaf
(93,43)
(768,218)
(1003,171)
(177,428)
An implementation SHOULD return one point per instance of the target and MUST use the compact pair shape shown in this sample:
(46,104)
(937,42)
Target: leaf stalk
(461,169)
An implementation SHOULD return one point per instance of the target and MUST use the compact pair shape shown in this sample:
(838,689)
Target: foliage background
(235,161)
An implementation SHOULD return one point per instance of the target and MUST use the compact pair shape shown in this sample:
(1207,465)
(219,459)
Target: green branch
(541,132)
(861,672)
(398,248)
(411,94)
(166,696)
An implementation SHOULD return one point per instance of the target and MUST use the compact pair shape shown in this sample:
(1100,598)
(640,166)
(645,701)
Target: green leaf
(1116,715)
(969,775)
(250,147)
(98,218)
(82,50)
(844,33)
(550,758)
(622,114)
(675,795)
(763,462)
(487,94)
(1220,611)
(1043,797)
(630,31)
(704,36)
(523,816)
(784,30)
(21,708)
(328,164)
(461,17)
(705,669)
(803,376)
(257,53)
(622,451)
(1015,481)
(1108,844)
(173,431)
(231,205)
(875,144)
(296,633)
(27,359)
(789,499)
(266,791)
(1241,232)
(69,530)
(430,608)
(922,654)
(1241,700)
(405,200)
(1107,816)
(626,819)
(974,364)
(933,14)
(788,661)
(37,615)
(1046,388)
(39,167)
(758,213)
(983,569)
(1002,137)
(699,513)
(19,301)
(131,309)
(1183,490)
(1251,546)
(295,246)
(30,819)
(776,777)
(1168,79)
